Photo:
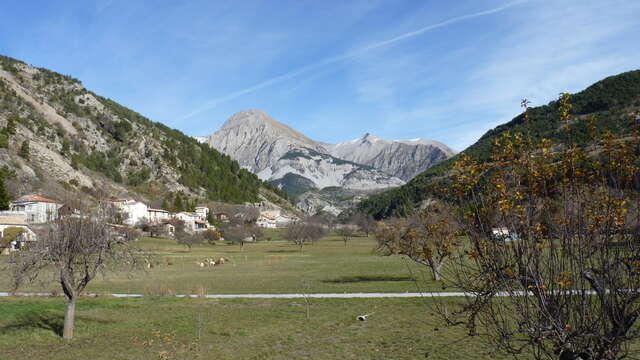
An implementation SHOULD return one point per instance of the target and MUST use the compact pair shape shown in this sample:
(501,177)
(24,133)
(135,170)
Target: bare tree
(346,232)
(189,239)
(552,263)
(303,232)
(242,226)
(428,238)
(365,222)
(77,247)
(242,233)
(242,214)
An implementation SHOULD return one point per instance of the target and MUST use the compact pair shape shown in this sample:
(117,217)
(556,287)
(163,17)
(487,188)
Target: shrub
(25,150)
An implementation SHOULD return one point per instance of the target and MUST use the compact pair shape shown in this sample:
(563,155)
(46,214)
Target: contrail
(334,59)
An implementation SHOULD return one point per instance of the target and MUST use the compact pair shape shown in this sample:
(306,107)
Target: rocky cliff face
(400,158)
(80,141)
(277,153)
(257,141)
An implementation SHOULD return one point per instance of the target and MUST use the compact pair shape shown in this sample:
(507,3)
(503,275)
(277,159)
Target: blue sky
(442,70)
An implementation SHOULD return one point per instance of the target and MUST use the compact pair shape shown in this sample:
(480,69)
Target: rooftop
(34,198)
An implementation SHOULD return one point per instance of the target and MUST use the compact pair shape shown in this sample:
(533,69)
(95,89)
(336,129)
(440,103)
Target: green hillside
(81,140)
(611,103)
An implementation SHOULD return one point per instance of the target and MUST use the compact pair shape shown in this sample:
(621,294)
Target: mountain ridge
(401,158)
(78,141)
(611,101)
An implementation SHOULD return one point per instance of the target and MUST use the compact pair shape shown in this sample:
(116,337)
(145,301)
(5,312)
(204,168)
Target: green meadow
(264,267)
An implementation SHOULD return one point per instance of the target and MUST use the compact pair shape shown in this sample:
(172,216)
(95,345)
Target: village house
(188,218)
(15,219)
(221,216)
(272,219)
(202,225)
(38,209)
(202,212)
(192,221)
(266,221)
(284,220)
(133,211)
(157,215)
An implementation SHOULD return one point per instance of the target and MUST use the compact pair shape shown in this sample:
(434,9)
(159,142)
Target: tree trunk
(435,268)
(69,318)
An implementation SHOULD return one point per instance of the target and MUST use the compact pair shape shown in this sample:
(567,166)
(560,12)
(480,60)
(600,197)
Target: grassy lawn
(172,328)
(264,267)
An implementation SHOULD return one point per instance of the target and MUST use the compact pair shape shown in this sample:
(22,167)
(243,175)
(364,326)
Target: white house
(157,215)
(202,225)
(202,212)
(38,209)
(272,219)
(284,220)
(17,219)
(266,221)
(503,234)
(192,221)
(133,211)
(188,218)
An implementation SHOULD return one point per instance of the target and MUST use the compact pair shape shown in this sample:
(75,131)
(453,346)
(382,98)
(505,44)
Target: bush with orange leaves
(566,284)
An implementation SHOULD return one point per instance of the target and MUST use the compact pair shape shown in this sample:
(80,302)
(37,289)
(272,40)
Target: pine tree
(11,126)
(177,203)
(210,218)
(4,196)
(75,162)
(4,139)
(65,146)
(25,150)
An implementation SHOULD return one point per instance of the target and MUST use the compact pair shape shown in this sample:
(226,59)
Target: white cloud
(550,47)
(342,57)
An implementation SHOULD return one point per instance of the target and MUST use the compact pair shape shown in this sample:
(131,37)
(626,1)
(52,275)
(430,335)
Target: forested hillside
(58,136)
(611,104)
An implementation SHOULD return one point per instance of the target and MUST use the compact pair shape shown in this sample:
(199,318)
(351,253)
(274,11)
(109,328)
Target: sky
(333,70)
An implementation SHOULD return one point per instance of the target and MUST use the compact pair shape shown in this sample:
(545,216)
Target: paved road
(280,296)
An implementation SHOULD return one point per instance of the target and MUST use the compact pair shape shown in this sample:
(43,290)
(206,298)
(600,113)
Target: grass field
(157,327)
(264,267)
(172,328)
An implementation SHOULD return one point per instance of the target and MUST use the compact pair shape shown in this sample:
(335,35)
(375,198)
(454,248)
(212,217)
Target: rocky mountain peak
(249,118)
(400,158)
(370,138)
(256,140)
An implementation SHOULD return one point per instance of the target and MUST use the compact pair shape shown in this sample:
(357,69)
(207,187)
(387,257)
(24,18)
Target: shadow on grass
(287,251)
(45,321)
(368,278)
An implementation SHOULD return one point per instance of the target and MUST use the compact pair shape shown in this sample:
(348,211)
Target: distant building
(16,219)
(202,225)
(202,212)
(188,218)
(221,216)
(38,209)
(272,219)
(192,221)
(266,221)
(157,215)
(133,211)
(284,220)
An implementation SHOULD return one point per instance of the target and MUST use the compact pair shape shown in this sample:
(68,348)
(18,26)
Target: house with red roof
(38,209)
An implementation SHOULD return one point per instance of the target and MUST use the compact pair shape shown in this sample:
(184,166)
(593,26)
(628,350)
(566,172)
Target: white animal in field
(201,264)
